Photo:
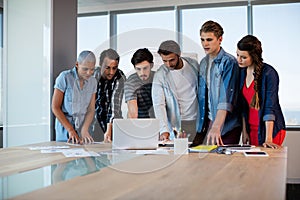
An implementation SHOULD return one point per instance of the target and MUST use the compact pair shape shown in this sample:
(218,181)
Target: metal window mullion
(178,25)
(250,17)
(112,30)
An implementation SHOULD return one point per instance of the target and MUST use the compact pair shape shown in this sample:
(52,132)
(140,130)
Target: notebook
(203,148)
(135,133)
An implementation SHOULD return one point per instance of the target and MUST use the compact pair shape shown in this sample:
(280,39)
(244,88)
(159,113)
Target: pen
(175,132)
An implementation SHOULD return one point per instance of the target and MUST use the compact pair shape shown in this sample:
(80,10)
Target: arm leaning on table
(214,135)
(131,97)
(159,106)
(228,94)
(89,117)
(271,101)
(132,109)
(57,100)
(116,105)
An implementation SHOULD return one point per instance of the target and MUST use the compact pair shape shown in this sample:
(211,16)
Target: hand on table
(214,137)
(87,138)
(74,138)
(271,145)
(107,137)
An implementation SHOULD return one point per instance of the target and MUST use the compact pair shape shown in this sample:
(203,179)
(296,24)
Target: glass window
(92,34)
(143,30)
(232,19)
(279,34)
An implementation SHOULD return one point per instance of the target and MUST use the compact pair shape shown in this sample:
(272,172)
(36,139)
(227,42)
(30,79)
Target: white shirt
(186,88)
(210,62)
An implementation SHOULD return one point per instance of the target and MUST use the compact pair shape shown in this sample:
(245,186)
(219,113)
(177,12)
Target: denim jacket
(224,90)
(165,104)
(270,109)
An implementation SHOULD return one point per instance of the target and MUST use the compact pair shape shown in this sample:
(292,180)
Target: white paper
(74,144)
(48,147)
(79,152)
(52,150)
(158,152)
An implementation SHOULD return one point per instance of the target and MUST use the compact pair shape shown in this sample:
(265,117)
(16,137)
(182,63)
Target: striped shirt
(137,89)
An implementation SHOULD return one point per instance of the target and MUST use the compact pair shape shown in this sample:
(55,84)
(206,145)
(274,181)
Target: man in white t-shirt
(174,91)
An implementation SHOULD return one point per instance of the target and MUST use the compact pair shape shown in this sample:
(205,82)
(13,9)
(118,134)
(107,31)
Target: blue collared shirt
(223,91)
(76,100)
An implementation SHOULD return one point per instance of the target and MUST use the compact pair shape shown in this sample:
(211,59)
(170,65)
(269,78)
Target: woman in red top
(263,122)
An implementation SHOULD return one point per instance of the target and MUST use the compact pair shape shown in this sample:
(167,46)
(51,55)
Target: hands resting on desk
(75,139)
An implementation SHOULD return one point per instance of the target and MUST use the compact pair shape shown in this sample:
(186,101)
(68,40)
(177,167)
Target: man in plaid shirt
(110,90)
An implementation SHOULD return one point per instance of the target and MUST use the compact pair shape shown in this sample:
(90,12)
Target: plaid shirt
(109,98)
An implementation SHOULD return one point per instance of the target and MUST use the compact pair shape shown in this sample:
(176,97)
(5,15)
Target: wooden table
(192,176)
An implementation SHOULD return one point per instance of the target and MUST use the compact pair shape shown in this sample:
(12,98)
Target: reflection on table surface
(31,180)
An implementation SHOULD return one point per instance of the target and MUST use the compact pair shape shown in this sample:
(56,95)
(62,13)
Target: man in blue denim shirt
(174,91)
(218,90)
(73,101)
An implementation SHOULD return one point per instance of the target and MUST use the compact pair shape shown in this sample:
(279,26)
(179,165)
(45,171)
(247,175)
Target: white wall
(293,161)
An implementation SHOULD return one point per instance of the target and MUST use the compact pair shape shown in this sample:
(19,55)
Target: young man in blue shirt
(218,90)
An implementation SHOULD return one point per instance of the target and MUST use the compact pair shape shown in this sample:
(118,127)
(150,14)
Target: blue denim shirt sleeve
(201,102)
(224,87)
(229,85)
(94,83)
(60,82)
(270,91)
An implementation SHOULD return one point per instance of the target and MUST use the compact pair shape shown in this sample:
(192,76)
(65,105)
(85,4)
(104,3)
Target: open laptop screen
(135,133)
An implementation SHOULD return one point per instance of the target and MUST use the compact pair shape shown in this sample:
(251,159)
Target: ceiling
(84,3)
(90,6)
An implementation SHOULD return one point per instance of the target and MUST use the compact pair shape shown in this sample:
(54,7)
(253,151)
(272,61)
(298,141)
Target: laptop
(135,133)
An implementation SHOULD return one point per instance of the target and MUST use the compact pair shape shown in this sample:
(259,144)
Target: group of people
(214,101)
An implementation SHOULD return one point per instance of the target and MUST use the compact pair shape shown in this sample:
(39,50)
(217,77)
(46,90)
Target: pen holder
(181,146)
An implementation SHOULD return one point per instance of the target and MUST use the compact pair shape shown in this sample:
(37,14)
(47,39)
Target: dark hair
(168,47)
(211,26)
(109,53)
(142,55)
(252,45)
(86,56)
